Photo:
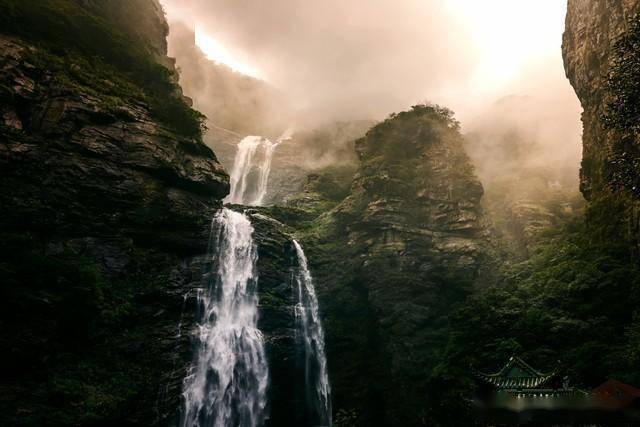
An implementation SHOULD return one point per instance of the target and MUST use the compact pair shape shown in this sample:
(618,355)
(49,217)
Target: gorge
(159,267)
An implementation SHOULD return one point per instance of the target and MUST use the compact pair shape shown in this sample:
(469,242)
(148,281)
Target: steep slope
(528,169)
(392,261)
(106,195)
(309,151)
(231,100)
(600,50)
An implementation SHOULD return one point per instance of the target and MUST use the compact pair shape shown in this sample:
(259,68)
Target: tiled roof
(516,374)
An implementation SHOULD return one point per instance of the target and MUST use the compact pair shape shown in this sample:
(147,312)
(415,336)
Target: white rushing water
(227,384)
(317,388)
(251,169)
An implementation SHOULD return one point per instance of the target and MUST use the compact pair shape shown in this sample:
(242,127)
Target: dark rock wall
(592,57)
(405,246)
(104,211)
(278,297)
(70,158)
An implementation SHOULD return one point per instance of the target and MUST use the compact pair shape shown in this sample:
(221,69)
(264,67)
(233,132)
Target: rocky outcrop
(527,191)
(415,185)
(276,313)
(599,54)
(105,205)
(231,100)
(74,158)
(405,245)
(277,319)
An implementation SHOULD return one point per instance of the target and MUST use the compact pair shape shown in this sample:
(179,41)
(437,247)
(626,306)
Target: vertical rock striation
(105,200)
(392,260)
(600,55)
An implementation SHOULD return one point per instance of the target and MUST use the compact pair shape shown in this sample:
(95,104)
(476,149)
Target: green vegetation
(386,300)
(622,111)
(323,191)
(406,125)
(573,305)
(412,331)
(72,337)
(85,344)
(119,40)
(623,83)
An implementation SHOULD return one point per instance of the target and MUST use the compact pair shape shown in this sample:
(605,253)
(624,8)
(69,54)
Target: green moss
(571,301)
(623,83)
(117,33)
(269,297)
(80,346)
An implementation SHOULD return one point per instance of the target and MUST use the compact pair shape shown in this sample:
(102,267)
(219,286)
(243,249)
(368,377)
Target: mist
(362,60)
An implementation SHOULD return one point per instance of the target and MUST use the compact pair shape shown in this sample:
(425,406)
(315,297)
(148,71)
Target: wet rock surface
(276,265)
(68,159)
(408,240)
(593,59)
(104,211)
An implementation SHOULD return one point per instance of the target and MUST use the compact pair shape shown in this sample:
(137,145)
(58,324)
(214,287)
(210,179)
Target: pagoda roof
(516,374)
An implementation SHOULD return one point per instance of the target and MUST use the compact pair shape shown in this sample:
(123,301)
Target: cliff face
(74,158)
(106,197)
(526,190)
(230,100)
(600,55)
(392,260)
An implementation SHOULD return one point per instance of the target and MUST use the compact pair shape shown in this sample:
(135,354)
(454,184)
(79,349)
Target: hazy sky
(367,58)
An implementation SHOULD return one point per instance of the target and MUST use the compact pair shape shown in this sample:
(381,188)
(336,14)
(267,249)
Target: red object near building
(618,395)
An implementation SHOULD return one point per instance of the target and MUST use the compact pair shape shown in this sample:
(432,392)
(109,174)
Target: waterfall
(227,384)
(265,170)
(245,188)
(254,153)
(311,336)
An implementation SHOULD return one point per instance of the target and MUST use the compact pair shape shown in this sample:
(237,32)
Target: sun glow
(510,36)
(216,52)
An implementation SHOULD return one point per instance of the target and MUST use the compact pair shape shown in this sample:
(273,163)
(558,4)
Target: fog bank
(363,59)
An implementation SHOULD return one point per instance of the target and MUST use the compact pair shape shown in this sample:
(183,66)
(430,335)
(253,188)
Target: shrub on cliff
(573,302)
(623,81)
(120,35)
(622,110)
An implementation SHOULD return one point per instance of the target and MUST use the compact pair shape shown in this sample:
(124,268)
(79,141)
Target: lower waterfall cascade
(311,337)
(227,384)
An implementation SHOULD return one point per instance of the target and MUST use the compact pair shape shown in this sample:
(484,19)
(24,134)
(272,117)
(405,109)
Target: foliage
(346,418)
(399,136)
(109,36)
(69,334)
(622,110)
(572,305)
(442,115)
(623,81)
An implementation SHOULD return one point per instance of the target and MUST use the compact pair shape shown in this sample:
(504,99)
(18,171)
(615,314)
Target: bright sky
(216,52)
(507,35)
(372,57)
(510,35)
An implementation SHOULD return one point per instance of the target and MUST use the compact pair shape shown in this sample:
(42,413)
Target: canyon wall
(106,194)
(600,50)
(392,260)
